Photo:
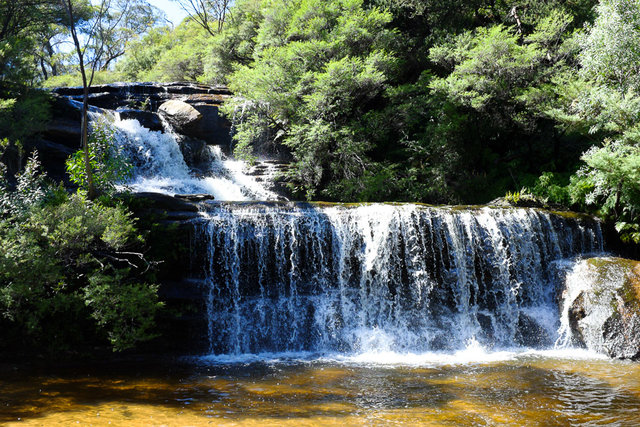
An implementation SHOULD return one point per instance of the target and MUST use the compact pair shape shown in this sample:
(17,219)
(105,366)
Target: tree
(90,51)
(210,14)
(602,101)
(318,69)
(124,24)
(612,47)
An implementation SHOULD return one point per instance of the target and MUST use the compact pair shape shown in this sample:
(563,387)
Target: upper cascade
(173,133)
(402,278)
(160,166)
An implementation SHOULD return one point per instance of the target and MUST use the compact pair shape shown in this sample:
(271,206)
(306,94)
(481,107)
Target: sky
(174,12)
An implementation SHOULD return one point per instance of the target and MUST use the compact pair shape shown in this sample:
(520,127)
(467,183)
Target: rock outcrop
(605,314)
(193,110)
(61,136)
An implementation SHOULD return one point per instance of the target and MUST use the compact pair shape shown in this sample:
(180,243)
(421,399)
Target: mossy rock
(613,298)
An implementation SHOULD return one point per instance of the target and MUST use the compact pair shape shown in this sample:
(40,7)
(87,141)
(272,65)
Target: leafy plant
(109,163)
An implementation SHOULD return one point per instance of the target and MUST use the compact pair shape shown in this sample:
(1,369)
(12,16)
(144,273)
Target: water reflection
(525,391)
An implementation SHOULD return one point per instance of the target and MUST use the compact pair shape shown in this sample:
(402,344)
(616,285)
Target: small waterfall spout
(403,278)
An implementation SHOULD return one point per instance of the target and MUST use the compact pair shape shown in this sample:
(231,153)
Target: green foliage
(552,188)
(65,263)
(75,79)
(29,191)
(125,311)
(612,47)
(317,67)
(143,53)
(109,164)
(23,116)
(68,275)
(235,45)
(166,56)
(610,184)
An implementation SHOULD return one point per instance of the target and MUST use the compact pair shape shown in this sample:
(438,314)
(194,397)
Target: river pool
(471,387)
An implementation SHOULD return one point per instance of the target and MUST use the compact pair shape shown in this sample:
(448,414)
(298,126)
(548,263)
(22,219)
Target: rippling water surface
(531,388)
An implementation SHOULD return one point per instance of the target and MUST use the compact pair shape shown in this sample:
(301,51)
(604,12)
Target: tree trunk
(84,138)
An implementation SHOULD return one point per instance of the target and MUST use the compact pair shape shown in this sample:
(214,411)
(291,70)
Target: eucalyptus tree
(90,49)
(209,14)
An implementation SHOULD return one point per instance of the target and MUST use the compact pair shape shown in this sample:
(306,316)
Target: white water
(159,166)
(473,354)
(385,284)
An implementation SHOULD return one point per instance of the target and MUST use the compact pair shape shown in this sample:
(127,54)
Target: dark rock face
(52,157)
(193,150)
(134,95)
(146,118)
(577,312)
(530,333)
(166,203)
(143,102)
(611,301)
(213,128)
(171,239)
(61,137)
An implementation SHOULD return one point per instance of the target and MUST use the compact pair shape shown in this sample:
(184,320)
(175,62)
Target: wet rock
(107,100)
(165,202)
(146,118)
(577,312)
(180,115)
(63,131)
(271,174)
(194,151)
(52,157)
(606,315)
(530,333)
(214,129)
(486,323)
(195,197)
(71,109)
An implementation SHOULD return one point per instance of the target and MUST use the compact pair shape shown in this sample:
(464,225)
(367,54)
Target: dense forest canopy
(436,101)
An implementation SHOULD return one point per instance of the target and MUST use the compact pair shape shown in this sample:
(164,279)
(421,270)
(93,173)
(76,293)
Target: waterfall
(159,166)
(291,277)
(404,278)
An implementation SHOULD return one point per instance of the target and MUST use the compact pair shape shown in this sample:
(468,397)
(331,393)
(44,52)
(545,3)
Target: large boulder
(605,313)
(180,115)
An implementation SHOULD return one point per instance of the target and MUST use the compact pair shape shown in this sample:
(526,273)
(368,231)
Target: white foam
(473,354)
(160,167)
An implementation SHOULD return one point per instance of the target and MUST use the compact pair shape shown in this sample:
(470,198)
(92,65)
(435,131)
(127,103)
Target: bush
(71,270)
(109,164)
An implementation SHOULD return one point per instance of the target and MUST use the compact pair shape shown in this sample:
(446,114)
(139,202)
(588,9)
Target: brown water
(521,390)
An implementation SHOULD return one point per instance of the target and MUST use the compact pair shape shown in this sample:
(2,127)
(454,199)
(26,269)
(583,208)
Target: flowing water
(159,166)
(375,314)
(402,278)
